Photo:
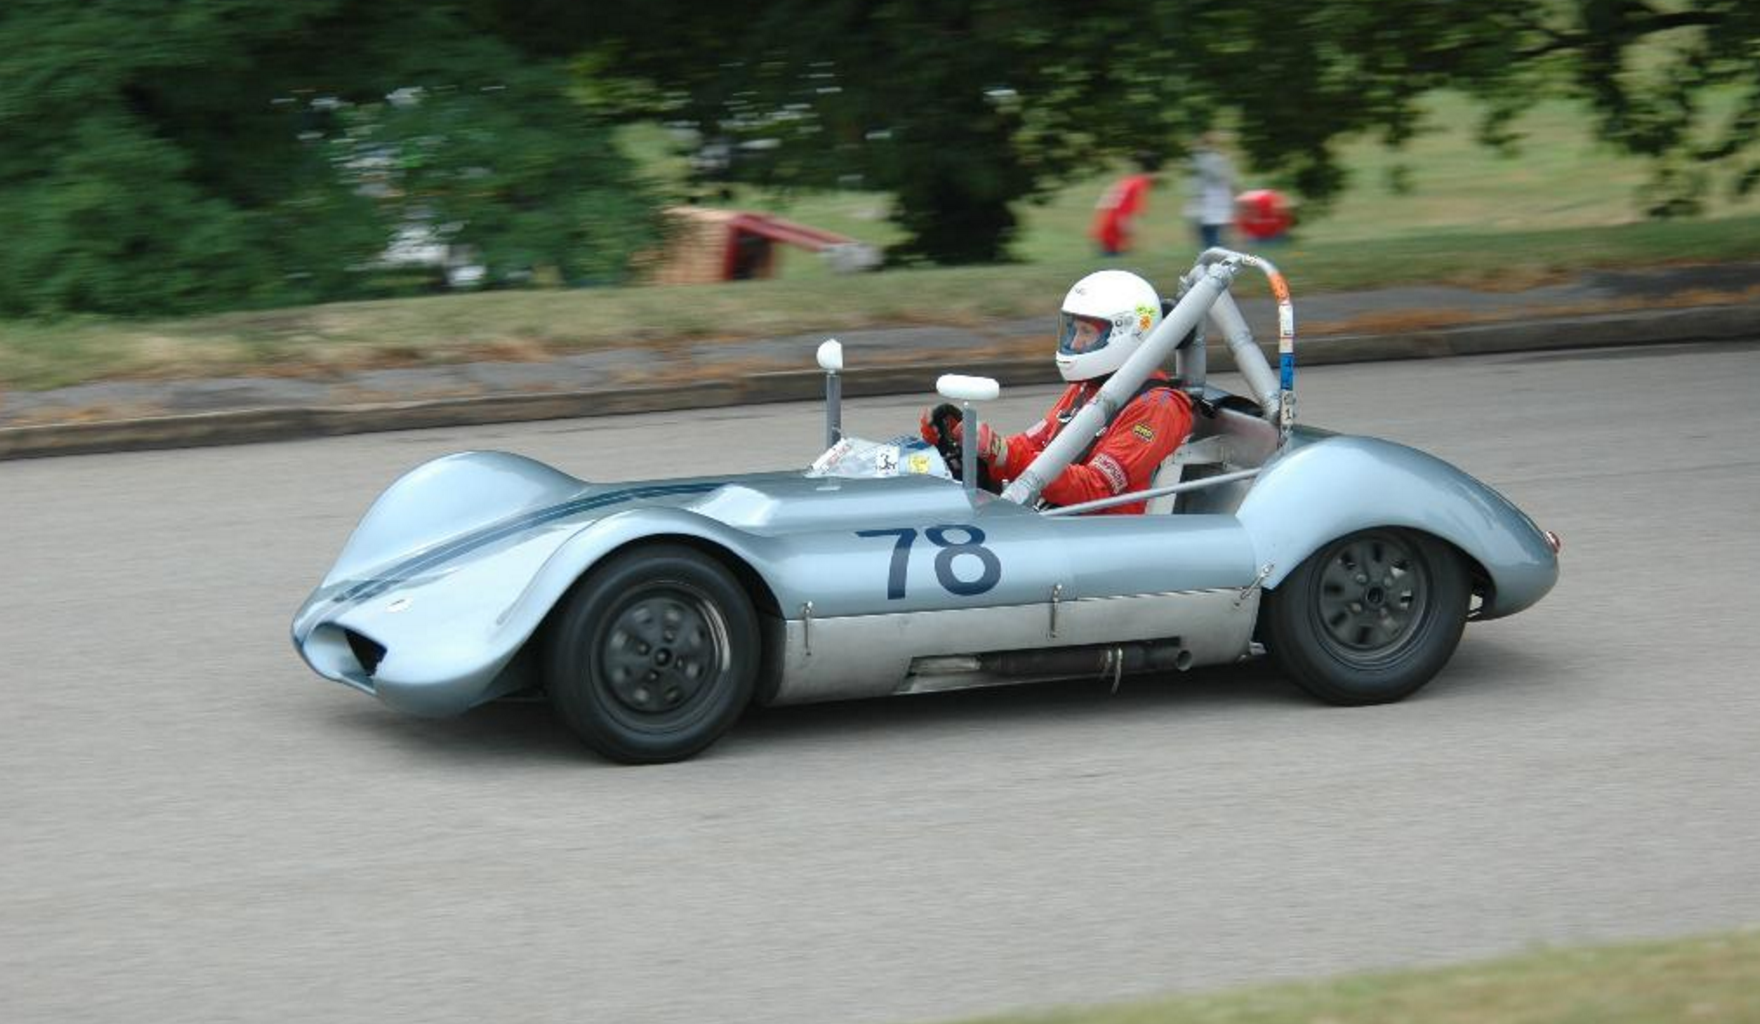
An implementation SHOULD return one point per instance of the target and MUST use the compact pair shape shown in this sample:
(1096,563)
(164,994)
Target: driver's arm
(1021,449)
(1125,459)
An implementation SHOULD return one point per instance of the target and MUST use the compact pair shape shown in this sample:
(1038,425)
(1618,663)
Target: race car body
(653,611)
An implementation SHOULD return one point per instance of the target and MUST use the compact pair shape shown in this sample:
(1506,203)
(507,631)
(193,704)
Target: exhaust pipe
(1102,661)
(1098,660)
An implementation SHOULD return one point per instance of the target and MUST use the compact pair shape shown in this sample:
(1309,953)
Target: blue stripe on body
(1287,371)
(402,572)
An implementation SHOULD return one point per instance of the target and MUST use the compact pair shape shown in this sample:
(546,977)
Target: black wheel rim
(1372,593)
(662,650)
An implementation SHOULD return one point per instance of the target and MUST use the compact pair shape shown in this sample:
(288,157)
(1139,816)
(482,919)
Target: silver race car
(652,613)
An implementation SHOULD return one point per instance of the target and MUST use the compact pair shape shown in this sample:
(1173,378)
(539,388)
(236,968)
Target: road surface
(194,827)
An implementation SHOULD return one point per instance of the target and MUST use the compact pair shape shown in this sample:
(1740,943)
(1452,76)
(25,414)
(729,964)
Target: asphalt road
(193,827)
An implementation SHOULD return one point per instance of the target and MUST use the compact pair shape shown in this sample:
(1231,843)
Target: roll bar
(1205,292)
(1240,338)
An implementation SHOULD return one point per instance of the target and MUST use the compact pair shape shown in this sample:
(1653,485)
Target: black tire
(1369,618)
(654,655)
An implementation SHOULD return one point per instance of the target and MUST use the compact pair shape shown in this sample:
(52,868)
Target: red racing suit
(1143,434)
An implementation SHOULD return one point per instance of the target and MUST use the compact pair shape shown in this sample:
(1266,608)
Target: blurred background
(499,220)
(177,159)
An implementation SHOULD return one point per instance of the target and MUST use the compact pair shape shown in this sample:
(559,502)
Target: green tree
(1653,73)
(178,155)
(959,110)
(1656,76)
(963,108)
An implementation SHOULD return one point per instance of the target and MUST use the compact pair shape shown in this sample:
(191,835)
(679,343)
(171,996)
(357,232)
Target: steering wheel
(953,453)
(943,420)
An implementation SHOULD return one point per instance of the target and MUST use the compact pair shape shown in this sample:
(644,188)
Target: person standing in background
(1117,211)
(1210,192)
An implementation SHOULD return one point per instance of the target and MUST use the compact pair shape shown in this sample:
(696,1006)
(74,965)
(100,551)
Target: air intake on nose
(366,651)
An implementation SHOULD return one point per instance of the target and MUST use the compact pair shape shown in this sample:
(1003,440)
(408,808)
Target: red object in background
(706,245)
(1263,214)
(748,243)
(1112,217)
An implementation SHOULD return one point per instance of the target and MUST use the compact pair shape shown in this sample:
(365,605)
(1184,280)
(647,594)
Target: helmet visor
(1077,334)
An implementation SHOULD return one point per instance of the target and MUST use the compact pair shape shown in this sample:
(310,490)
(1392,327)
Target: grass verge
(525,325)
(1707,980)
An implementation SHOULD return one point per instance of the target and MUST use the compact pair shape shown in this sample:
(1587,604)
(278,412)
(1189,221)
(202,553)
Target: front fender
(1338,485)
(577,555)
(445,498)
(448,637)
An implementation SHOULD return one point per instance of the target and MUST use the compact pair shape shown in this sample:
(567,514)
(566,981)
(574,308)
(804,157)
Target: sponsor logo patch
(1144,431)
(1112,471)
(918,463)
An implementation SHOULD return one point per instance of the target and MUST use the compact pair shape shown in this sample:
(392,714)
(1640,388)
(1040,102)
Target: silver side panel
(870,655)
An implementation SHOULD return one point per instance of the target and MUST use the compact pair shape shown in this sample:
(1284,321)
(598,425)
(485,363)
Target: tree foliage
(962,108)
(168,156)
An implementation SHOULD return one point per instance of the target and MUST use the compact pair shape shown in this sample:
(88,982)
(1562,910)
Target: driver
(1105,318)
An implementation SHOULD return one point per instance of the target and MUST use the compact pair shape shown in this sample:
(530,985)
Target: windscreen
(1077,334)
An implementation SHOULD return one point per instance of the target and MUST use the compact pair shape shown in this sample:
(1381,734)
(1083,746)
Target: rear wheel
(1369,618)
(654,656)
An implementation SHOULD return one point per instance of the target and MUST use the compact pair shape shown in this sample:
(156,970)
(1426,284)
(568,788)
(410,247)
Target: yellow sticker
(918,463)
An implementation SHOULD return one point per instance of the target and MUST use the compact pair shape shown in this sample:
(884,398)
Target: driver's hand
(992,446)
(926,426)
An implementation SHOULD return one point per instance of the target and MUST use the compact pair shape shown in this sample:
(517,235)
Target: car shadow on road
(527,731)
(517,730)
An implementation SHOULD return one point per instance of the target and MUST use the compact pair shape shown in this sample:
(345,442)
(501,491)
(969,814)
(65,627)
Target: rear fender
(1338,485)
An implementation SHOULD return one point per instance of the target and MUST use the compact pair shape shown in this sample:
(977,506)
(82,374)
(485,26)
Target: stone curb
(1646,327)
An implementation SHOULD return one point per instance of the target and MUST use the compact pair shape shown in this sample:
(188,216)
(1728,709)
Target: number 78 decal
(973,546)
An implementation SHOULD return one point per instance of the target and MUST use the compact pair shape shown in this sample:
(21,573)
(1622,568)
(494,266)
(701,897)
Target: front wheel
(1369,618)
(654,656)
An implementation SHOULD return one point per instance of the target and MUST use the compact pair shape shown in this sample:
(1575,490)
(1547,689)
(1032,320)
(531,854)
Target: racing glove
(944,413)
(992,447)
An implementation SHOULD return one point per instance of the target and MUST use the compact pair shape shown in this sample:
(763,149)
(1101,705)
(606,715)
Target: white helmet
(1105,318)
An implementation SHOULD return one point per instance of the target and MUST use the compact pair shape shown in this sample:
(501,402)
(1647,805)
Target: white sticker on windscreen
(886,460)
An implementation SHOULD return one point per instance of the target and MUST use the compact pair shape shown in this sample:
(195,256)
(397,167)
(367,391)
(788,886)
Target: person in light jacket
(1210,191)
